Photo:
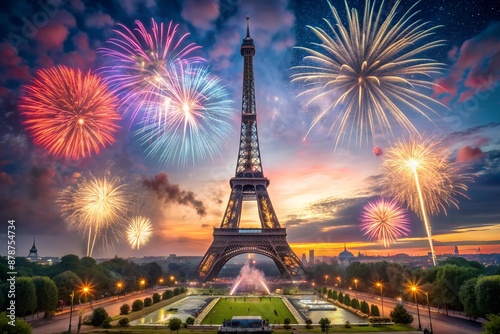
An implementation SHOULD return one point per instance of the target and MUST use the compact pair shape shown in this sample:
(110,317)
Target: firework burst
(139,57)
(139,231)
(191,119)
(69,113)
(418,172)
(369,71)
(384,221)
(95,206)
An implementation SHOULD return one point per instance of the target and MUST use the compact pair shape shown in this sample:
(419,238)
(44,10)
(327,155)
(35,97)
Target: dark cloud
(99,20)
(172,193)
(475,66)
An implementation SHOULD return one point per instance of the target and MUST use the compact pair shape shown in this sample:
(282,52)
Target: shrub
(137,305)
(347,300)
(167,294)
(183,289)
(20,326)
(309,323)
(190,321)
(124,309)
(107,322)
(148,302)
(287,322)
(401,316)
(355,304)
(347,324)
(98,316)
(335,295)
(156,298)
(374,311)
(123,322)
(177,291)
(341,298)
(363,307)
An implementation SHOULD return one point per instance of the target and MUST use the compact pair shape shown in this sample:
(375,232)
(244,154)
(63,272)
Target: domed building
(346,257)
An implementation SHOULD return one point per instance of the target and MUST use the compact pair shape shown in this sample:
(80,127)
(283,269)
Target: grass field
(267,307)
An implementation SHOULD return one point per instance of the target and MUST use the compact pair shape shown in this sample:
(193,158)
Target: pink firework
(384,221)
(139,57)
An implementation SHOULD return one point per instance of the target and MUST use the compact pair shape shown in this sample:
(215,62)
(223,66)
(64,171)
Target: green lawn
(267,307)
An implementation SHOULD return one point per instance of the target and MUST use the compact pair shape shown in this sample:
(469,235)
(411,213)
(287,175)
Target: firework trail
(69,113)
(418,172)
(96,206)
(384,221)
(139,57)
(190,120)
(370,71)
(139,231)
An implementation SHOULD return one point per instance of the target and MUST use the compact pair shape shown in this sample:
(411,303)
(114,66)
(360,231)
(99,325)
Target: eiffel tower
(249,184)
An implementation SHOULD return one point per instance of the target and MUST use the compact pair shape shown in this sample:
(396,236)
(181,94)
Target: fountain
(249,275)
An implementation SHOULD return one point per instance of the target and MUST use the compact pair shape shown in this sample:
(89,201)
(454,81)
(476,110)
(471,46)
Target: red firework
(69,113)
(377,151)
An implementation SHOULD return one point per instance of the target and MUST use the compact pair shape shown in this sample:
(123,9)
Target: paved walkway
(206,311)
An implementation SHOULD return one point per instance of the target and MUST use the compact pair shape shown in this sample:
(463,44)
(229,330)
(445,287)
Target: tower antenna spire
(248,26)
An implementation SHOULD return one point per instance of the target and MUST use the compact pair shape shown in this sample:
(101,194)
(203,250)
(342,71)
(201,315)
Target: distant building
(456,251)
(33,255)
(304,259)
(311,257)
(346,257)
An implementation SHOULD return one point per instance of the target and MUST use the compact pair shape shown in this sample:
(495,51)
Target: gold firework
(370,70)
(138,232)
(95,206)
(418,172)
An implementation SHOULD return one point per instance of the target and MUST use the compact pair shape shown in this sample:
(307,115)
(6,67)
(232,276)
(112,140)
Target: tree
(335,296)
(355,304)
(190,321)
(374,311)
(309,323)
(148,302)
(99,316)
(25,296)
(156,298)
(66,283)
(341,298)
(329,294)
(137,305)
(70,262)
(177,291)
(467,295)
(46,294)
(20,326)
(449,279)
(347,300)
(401,316)
(324,323)
(492,326)
(124,309)
(487,292)
(363,307)
(324,290)
(287,322)
(175,324)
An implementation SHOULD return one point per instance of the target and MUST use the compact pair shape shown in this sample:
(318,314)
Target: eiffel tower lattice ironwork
(249,184)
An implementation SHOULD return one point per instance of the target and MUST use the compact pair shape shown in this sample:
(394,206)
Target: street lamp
(119,287)
(429,308)
(72,295)
(356,286)
(85,290)
(414,290)
(340,281)
(379,285)
(142,283)
(160,281)
(326,279)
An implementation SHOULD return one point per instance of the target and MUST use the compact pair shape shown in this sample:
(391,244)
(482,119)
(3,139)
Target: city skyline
(317,192)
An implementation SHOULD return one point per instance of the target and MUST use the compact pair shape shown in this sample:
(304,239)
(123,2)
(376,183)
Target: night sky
(317,192)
